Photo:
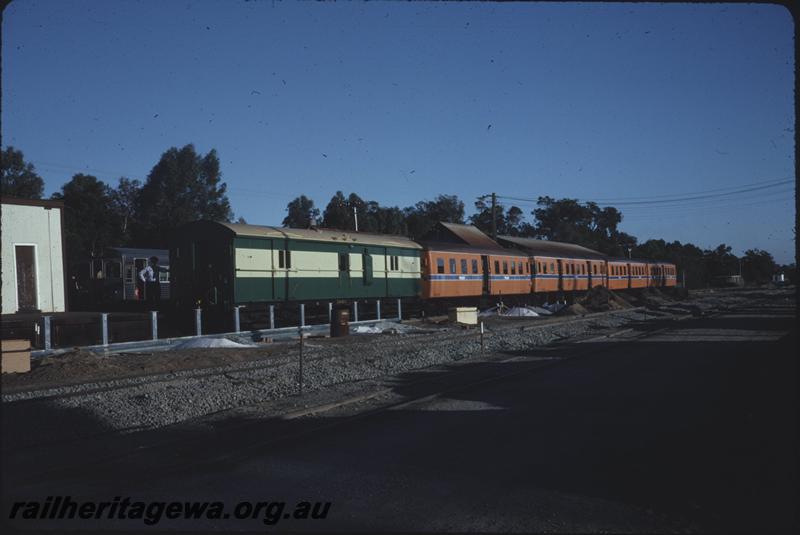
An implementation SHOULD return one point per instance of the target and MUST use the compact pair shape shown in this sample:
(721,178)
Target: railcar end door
(485,267)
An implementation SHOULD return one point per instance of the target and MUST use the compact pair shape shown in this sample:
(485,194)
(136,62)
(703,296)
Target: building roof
(323,235)
(551,248)
(45,203)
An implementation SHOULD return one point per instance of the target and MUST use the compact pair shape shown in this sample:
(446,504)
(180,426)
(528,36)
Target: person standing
(149,276)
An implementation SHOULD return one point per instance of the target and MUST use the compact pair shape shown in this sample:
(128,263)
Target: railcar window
(163,274)
(282,260)
(505,267)
(474,266)
(113,269)
(440,265)
(344,262)
(497,266)
(129,274)
(97,269)
(536,267)
(463,266)
(513,267)
(452,265)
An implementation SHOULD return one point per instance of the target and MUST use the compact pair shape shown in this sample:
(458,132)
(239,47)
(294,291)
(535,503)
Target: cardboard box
(463,315)
(16,356)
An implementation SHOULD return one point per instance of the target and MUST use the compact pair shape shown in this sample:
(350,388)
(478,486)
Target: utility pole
(355,217)
(494,216)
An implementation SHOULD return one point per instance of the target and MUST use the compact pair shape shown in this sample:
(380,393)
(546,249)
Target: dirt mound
(575,309)
(600,299)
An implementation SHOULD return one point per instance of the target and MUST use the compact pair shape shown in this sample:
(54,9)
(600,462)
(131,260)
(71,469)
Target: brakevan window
(440,265)
(344,262)
(285,259)
(452,265)
(463,265)
(513,267)
(497,266)
(505,267)
(552,267)
(474,266)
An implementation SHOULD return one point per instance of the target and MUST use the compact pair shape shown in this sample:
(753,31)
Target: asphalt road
(690,428)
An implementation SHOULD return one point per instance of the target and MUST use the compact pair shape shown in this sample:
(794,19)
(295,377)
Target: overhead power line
(661,200)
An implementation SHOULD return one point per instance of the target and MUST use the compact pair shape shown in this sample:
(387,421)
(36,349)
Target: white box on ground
(465,315)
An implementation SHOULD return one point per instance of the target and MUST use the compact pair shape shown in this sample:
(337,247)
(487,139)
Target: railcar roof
(471,235)
(318,234)
(448,247)
(552,248)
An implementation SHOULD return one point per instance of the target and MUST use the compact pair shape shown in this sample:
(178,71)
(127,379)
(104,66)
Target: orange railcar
(639,274)
(662,275)
(452,274)
(618,275)
(597,273)
(464,273)
(545,274)
(509,274)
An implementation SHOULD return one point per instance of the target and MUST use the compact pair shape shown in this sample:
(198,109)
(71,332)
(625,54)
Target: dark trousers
(153,291)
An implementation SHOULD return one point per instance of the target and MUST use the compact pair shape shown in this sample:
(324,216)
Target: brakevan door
(26,277)
(344,273)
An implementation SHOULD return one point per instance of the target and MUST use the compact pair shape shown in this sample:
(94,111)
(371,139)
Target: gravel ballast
(149,402)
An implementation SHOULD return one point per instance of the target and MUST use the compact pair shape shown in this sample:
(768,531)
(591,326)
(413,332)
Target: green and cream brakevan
(225,264)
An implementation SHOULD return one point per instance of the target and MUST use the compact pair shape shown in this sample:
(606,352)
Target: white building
(33,276)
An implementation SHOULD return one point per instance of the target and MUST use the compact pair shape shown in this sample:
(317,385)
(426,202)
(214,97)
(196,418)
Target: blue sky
(400,102)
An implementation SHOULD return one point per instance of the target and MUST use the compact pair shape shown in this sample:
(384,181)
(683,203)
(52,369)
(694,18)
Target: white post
(399,310)
(378,302)
(154,324)
(47,342)
(198,322)
(236,324)
(104,322)
(355,310)
(272,316)
(302,315)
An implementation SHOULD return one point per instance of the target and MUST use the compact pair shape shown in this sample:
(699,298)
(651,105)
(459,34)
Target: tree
(338,214)
(424,215)
(587,224)
(720,262)
(301,213)
(123,204)
(508,222)
(19,179)
(88,217)
(758,266)
(183,186)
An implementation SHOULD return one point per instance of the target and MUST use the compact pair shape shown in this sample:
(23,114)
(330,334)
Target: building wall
(41,227)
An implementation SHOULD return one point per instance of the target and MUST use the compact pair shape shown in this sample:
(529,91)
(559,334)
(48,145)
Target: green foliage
(301,213)
(123,205)
(372,217)
(567,220)
(758,266)
(424,215)
(509,223)
(183,186)
(88,217)
(19,179)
